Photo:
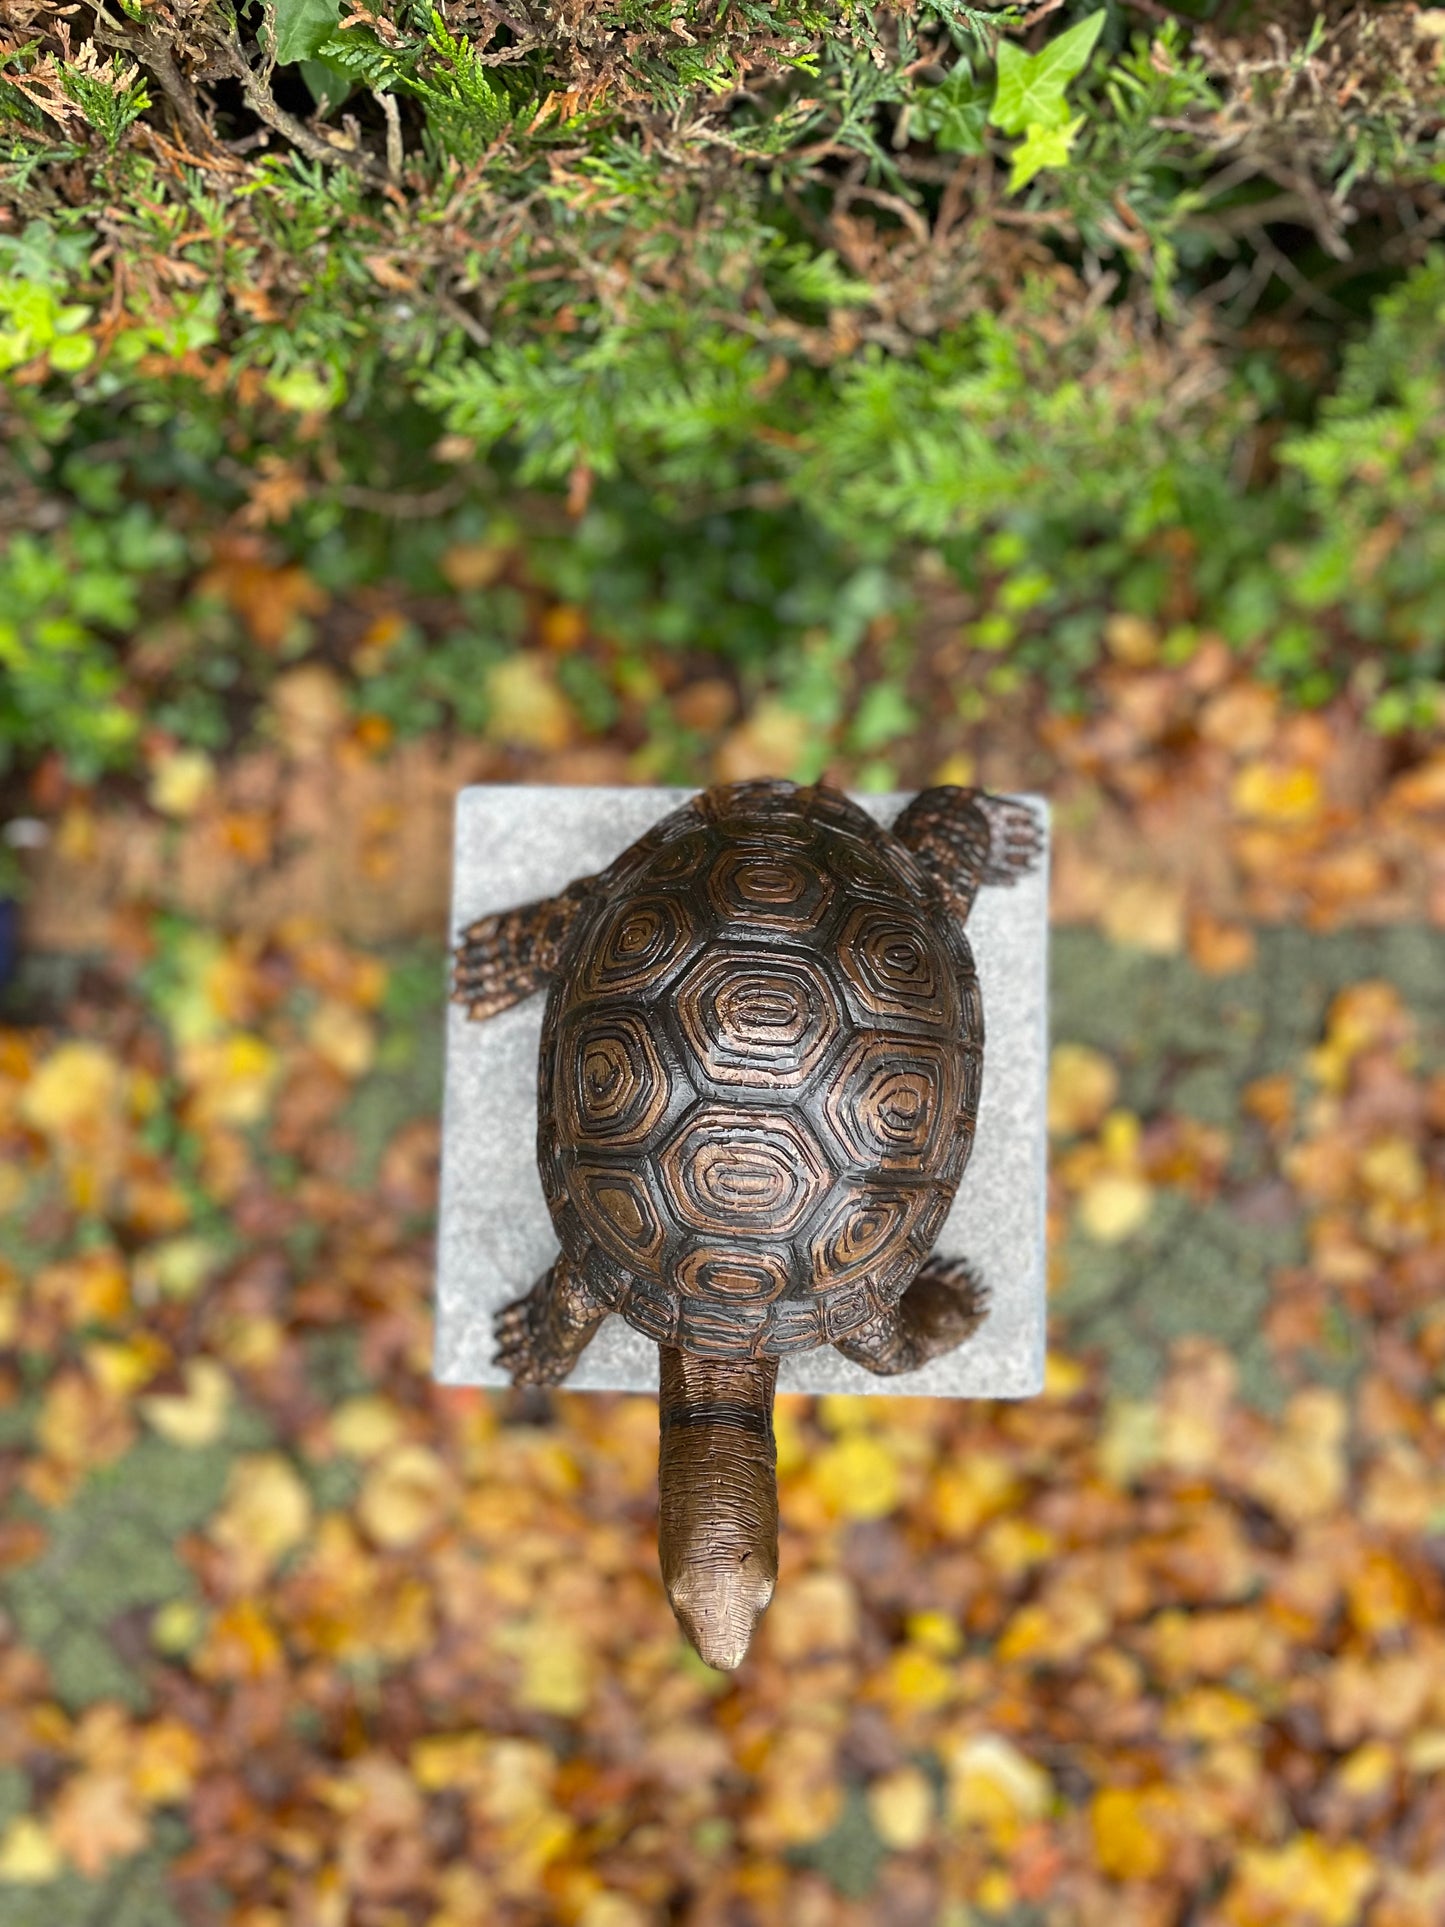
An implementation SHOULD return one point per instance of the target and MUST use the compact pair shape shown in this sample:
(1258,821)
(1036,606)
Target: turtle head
(718,1597)
(718,1499)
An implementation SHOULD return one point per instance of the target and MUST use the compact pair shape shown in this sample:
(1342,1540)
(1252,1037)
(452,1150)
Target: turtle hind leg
(945,1304)
(541,1336)
(965,838)
(505,957)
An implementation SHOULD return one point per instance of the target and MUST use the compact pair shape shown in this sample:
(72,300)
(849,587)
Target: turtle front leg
(965,838)
(507,956)
(540,1337)
(945,1304)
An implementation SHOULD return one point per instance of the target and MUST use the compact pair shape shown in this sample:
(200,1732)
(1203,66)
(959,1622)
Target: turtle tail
(718,1493)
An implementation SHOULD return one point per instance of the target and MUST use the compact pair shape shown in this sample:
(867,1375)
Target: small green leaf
(1042,147)
(302,25)
(70,352)
(954,113)
(329,84)
(883,715)
(1031,87)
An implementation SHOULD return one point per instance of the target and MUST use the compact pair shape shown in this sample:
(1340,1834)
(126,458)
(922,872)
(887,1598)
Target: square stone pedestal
(515,843)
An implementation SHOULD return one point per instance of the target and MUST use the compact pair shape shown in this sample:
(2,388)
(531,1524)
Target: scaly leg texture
(541,1337)
(945,1304)
(505,957)
(965,838)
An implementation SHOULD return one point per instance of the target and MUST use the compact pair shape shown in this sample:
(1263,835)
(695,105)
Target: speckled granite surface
(494,1237)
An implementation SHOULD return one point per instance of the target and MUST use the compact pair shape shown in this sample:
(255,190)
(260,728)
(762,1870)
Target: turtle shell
(759,1074)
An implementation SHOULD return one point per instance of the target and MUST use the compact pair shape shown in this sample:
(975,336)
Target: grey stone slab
(515,843)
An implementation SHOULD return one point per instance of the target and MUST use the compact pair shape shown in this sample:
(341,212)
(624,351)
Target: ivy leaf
(1031,87)
(329,84)
(953,113)
(1042,147)
(302,25)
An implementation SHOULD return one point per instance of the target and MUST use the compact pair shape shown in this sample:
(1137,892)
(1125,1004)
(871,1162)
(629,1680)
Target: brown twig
(259,100)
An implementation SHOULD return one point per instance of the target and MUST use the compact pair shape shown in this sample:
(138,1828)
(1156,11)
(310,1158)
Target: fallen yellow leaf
(901,1806)
(240,1643)
(95,1820)
(406,1495)
(857,1477)
(29,1856)
(1114,1206)
(1301,1473)
(310,708)
(75,1083)
(343,1037)
(817,1613)
(167,1757)
(232,1077)
(524,704)
(124,1367)
(1306,1879)
(267,1511)
(770,742)
(916,1680)
(473,565)
(1083,1083)
(960,768)
(196,1416)
(1266,793)
(1146,913)
(174,1267)
(556,1674)
(1128,1841)
(362,1427)
(1131,639)
(181,780)
(993,1785)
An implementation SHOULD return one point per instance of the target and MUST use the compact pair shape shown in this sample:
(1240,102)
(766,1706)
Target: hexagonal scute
(653,1310)
(767,806)
(731,1172)
(846,1309)
(861,868)
(639,943)
(894,967)
(938,1202)
(763,1022)
(891,1100)
(680,856)
(866,1231)
(613,1085)
(783,890)
(620,1216)
(732,1274)
(840,812)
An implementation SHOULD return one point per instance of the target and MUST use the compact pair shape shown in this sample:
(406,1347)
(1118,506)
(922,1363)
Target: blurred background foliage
(756,335)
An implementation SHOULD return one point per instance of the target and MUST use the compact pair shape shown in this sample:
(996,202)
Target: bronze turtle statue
(757,1089)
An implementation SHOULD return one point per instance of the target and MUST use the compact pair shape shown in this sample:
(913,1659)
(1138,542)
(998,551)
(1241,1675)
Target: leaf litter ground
(296,1636)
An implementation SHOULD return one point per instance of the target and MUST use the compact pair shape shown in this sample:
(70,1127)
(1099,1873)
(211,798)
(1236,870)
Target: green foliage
(1375,470)
(109,97)
(621,291)
(954,114)
(36,267)
(302,25)
(1031,87)
(63,683)
(466,107)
